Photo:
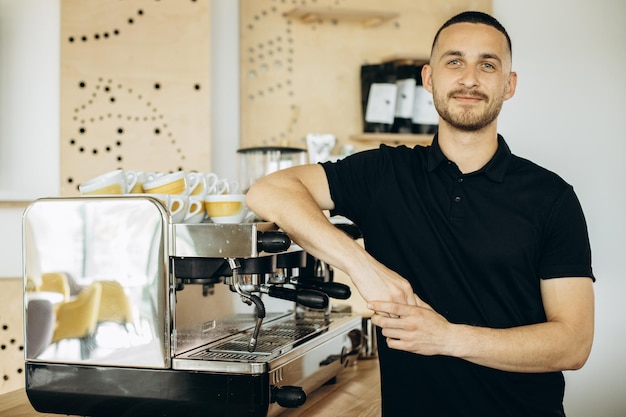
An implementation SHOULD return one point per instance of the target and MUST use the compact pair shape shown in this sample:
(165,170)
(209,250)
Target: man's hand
(415,328)
(375,281)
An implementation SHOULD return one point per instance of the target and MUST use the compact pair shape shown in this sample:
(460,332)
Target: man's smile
(468,98)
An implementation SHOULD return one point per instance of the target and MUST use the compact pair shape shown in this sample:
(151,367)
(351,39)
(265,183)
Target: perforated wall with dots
(300,71)
(11,334)
(135,87)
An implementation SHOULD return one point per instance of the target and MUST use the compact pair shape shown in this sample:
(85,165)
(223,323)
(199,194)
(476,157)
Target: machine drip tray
(273,340)
(279,342)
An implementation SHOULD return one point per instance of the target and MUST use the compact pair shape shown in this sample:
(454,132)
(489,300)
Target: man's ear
(427,79)
(511,86)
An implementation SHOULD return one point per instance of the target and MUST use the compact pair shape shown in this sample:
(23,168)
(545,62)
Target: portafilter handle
(309,298)
(273,242)
(333,289)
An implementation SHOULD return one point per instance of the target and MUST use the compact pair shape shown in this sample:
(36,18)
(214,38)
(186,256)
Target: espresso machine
(208,319)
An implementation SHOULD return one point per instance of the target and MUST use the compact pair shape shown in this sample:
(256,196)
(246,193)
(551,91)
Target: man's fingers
(387,308)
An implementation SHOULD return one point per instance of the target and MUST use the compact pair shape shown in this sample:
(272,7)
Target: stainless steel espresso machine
(154,318)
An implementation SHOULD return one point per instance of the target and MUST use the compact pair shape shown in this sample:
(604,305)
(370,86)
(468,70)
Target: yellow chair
(55,282)
(31,285)
(114,305)
(77,319)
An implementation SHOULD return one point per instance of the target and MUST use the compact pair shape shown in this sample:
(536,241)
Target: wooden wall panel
(302,76)
(11,334)
(135,87)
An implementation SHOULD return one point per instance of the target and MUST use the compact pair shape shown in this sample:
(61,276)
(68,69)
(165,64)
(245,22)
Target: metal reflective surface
(97,281)
(215,240)
(210,240)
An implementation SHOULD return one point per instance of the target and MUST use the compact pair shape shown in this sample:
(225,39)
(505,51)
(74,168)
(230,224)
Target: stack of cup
(223,201)
(221,198)
(170,189)
(189,197)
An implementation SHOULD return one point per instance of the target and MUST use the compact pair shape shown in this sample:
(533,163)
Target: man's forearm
(563,342)
(544,347)
(285,200)
(295,199)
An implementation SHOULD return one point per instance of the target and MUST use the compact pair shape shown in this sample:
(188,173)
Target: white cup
(223,186)
(233,187)
(195,211)
(176,205)
(151,176)
(210,182)
(226,208)
(218,187)
(135,181)
(113,182)
(198,183)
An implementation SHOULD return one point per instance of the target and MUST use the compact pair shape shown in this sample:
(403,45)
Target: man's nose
(469,78)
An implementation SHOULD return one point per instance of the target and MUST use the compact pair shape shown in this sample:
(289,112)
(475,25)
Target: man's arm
(561,343)
(294,199)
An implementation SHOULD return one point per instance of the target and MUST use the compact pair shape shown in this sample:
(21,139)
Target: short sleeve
(355,180)
(566,249)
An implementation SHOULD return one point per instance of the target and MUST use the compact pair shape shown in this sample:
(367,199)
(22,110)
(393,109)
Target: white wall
(29,114)
(225,86)
(567,115)
(29,98)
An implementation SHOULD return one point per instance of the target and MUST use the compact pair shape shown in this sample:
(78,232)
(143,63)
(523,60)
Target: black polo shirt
(474,246)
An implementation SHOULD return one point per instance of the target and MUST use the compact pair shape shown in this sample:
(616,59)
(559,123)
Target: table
(355,394)
(53,297)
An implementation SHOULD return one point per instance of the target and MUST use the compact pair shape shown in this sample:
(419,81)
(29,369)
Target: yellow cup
(226,208)
(174,183)
(113,182)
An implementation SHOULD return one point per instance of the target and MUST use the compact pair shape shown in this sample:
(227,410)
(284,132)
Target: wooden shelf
(403,58)
(422,140)
(14,204)
(368,18)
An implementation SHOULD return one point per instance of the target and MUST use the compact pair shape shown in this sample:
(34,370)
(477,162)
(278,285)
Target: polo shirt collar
(495,169)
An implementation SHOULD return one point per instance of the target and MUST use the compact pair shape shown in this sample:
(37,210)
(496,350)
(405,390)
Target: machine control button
(272,242)
(288,396)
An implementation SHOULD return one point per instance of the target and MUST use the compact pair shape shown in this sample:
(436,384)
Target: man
(477,263)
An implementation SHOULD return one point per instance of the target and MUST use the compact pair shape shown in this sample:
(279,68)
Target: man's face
(470,75)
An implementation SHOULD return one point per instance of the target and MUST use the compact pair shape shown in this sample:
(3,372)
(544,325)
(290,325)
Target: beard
(467,118)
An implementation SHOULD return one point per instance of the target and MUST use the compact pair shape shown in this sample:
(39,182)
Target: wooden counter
(356,394)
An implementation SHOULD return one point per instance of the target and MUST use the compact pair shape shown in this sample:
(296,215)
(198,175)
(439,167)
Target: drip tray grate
(275,338)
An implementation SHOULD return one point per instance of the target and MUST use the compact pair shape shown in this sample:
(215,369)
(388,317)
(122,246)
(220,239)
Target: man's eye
(454,62)
(488,66)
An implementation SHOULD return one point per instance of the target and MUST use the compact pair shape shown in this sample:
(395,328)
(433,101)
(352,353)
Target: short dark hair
(474,17)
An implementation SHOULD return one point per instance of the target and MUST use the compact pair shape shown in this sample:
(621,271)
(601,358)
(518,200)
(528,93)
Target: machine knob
(272,242)
(288,396)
